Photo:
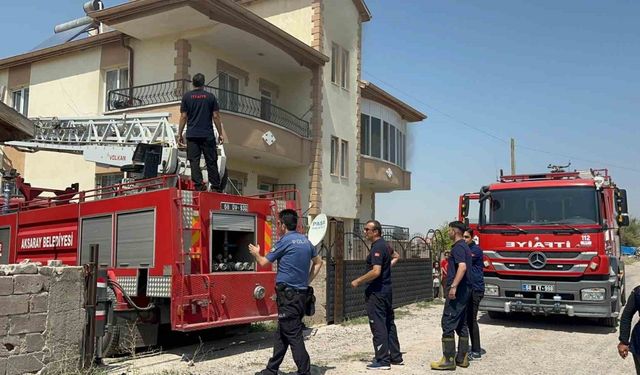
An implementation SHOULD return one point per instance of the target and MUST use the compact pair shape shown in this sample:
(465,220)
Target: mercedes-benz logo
(537,260)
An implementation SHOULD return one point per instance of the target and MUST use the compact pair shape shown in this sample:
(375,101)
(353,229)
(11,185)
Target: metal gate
(346,254)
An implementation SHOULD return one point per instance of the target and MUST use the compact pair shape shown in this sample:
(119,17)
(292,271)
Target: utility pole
(513,156)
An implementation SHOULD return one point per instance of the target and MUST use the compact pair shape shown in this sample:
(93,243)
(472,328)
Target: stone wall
(41,317)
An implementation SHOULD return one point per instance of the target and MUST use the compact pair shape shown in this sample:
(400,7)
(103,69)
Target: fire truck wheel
(111,338)
(497,314)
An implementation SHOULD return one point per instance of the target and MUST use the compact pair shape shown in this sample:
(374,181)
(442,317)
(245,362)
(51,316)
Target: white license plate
(538,288)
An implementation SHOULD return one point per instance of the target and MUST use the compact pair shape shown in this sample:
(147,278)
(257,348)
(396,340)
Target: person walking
(457,294)
(294,254)
(632,344)
(436,279)
(379,299)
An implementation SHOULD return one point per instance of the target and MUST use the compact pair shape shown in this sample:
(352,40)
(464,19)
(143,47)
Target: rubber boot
(447,362)
(463,349)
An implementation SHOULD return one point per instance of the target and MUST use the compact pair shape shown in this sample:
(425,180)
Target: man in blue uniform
(477,293)
(294,254)
(457,293)
(379,299)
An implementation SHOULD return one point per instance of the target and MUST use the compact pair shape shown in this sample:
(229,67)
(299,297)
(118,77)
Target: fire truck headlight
(593,294)
(491,290)
(259,292)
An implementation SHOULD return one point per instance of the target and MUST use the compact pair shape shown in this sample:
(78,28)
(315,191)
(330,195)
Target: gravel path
(517,345)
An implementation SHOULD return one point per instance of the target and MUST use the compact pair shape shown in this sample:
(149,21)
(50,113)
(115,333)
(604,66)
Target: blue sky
(561,77)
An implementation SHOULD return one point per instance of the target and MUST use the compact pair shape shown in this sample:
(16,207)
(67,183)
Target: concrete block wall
(41,317)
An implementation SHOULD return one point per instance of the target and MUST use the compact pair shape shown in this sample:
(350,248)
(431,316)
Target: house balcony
(381,176)
(257,131)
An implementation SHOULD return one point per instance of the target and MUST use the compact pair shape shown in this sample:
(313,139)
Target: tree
(630,236)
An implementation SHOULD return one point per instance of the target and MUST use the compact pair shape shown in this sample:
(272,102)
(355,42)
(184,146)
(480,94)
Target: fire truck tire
(497,314)
(111,339)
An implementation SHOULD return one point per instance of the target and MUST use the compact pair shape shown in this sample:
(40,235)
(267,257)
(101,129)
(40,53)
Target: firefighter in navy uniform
(379,300)
(295,255)
(632,345)
(457,294)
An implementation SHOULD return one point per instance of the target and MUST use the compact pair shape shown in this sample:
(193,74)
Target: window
(21,100)
(392,144)
(382,140)
(265,105)
(335,63)
(344,70)
(103,181)
(376,139)
(365,135)
(115,79)
(344,158)
(333,167)
(229,90)
(385,142)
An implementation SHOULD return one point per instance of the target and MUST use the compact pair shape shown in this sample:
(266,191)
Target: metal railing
(388,231)
(172,91)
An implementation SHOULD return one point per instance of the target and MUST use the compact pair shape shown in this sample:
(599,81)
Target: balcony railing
(388,231)
(172,91)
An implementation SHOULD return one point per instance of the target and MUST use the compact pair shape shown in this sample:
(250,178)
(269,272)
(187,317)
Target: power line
(494,136)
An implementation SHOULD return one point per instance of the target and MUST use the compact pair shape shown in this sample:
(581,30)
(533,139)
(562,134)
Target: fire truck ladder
(109,140)
(195,286)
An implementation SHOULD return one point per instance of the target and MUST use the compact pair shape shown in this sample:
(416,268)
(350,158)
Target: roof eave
(62,49)
(375,93)
(234,14)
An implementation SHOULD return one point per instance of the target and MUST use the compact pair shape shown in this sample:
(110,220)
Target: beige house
(287,68)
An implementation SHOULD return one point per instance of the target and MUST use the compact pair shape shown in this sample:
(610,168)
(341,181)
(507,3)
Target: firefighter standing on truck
(294,254)
(457,294)
(379,300)
(199,111)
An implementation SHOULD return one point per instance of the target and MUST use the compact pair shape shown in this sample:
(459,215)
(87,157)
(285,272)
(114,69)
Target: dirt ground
(515,345)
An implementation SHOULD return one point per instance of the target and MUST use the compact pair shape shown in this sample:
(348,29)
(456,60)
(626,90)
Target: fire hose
(114,284)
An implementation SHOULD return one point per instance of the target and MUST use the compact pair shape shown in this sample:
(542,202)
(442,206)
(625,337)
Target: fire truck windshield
(541,206)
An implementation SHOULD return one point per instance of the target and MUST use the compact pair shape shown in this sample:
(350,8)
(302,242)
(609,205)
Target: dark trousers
(289,334)
(197,146)
(454,318)
(472,319)
(636,361)
(383,327)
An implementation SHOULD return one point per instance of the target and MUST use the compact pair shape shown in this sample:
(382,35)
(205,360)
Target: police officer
(294,254)
(379,299)
(477,293)
(457,293)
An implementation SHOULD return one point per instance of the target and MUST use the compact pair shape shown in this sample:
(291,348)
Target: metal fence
(412,276)
(172,91)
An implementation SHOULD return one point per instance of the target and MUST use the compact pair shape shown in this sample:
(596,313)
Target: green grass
(401,313)
(356,321)
(428,304)
(630,260)
(270,326)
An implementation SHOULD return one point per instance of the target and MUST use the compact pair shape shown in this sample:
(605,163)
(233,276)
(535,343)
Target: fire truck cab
(551,243)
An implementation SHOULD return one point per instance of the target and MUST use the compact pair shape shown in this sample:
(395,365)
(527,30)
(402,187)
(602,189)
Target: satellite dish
(318,229)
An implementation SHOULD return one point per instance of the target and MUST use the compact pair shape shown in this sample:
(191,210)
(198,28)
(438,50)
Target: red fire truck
(174,256)
(551,243)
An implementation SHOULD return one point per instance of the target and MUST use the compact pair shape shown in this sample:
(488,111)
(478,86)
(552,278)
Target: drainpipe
(125,44)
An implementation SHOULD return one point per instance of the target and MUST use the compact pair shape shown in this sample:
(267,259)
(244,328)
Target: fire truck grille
(532,295)
(547,267)
(549,255)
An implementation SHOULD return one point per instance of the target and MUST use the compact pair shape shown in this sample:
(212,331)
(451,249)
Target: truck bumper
(511,298)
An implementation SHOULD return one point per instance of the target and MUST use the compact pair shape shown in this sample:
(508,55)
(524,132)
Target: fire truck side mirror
(464,207)
(484,193)
(621,201)
(623,220)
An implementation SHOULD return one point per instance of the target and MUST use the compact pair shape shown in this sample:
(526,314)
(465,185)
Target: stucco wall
(339,110)
(4,80)
(292,16)
(66,86)
(367,204)
(56,170)
(154,60)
